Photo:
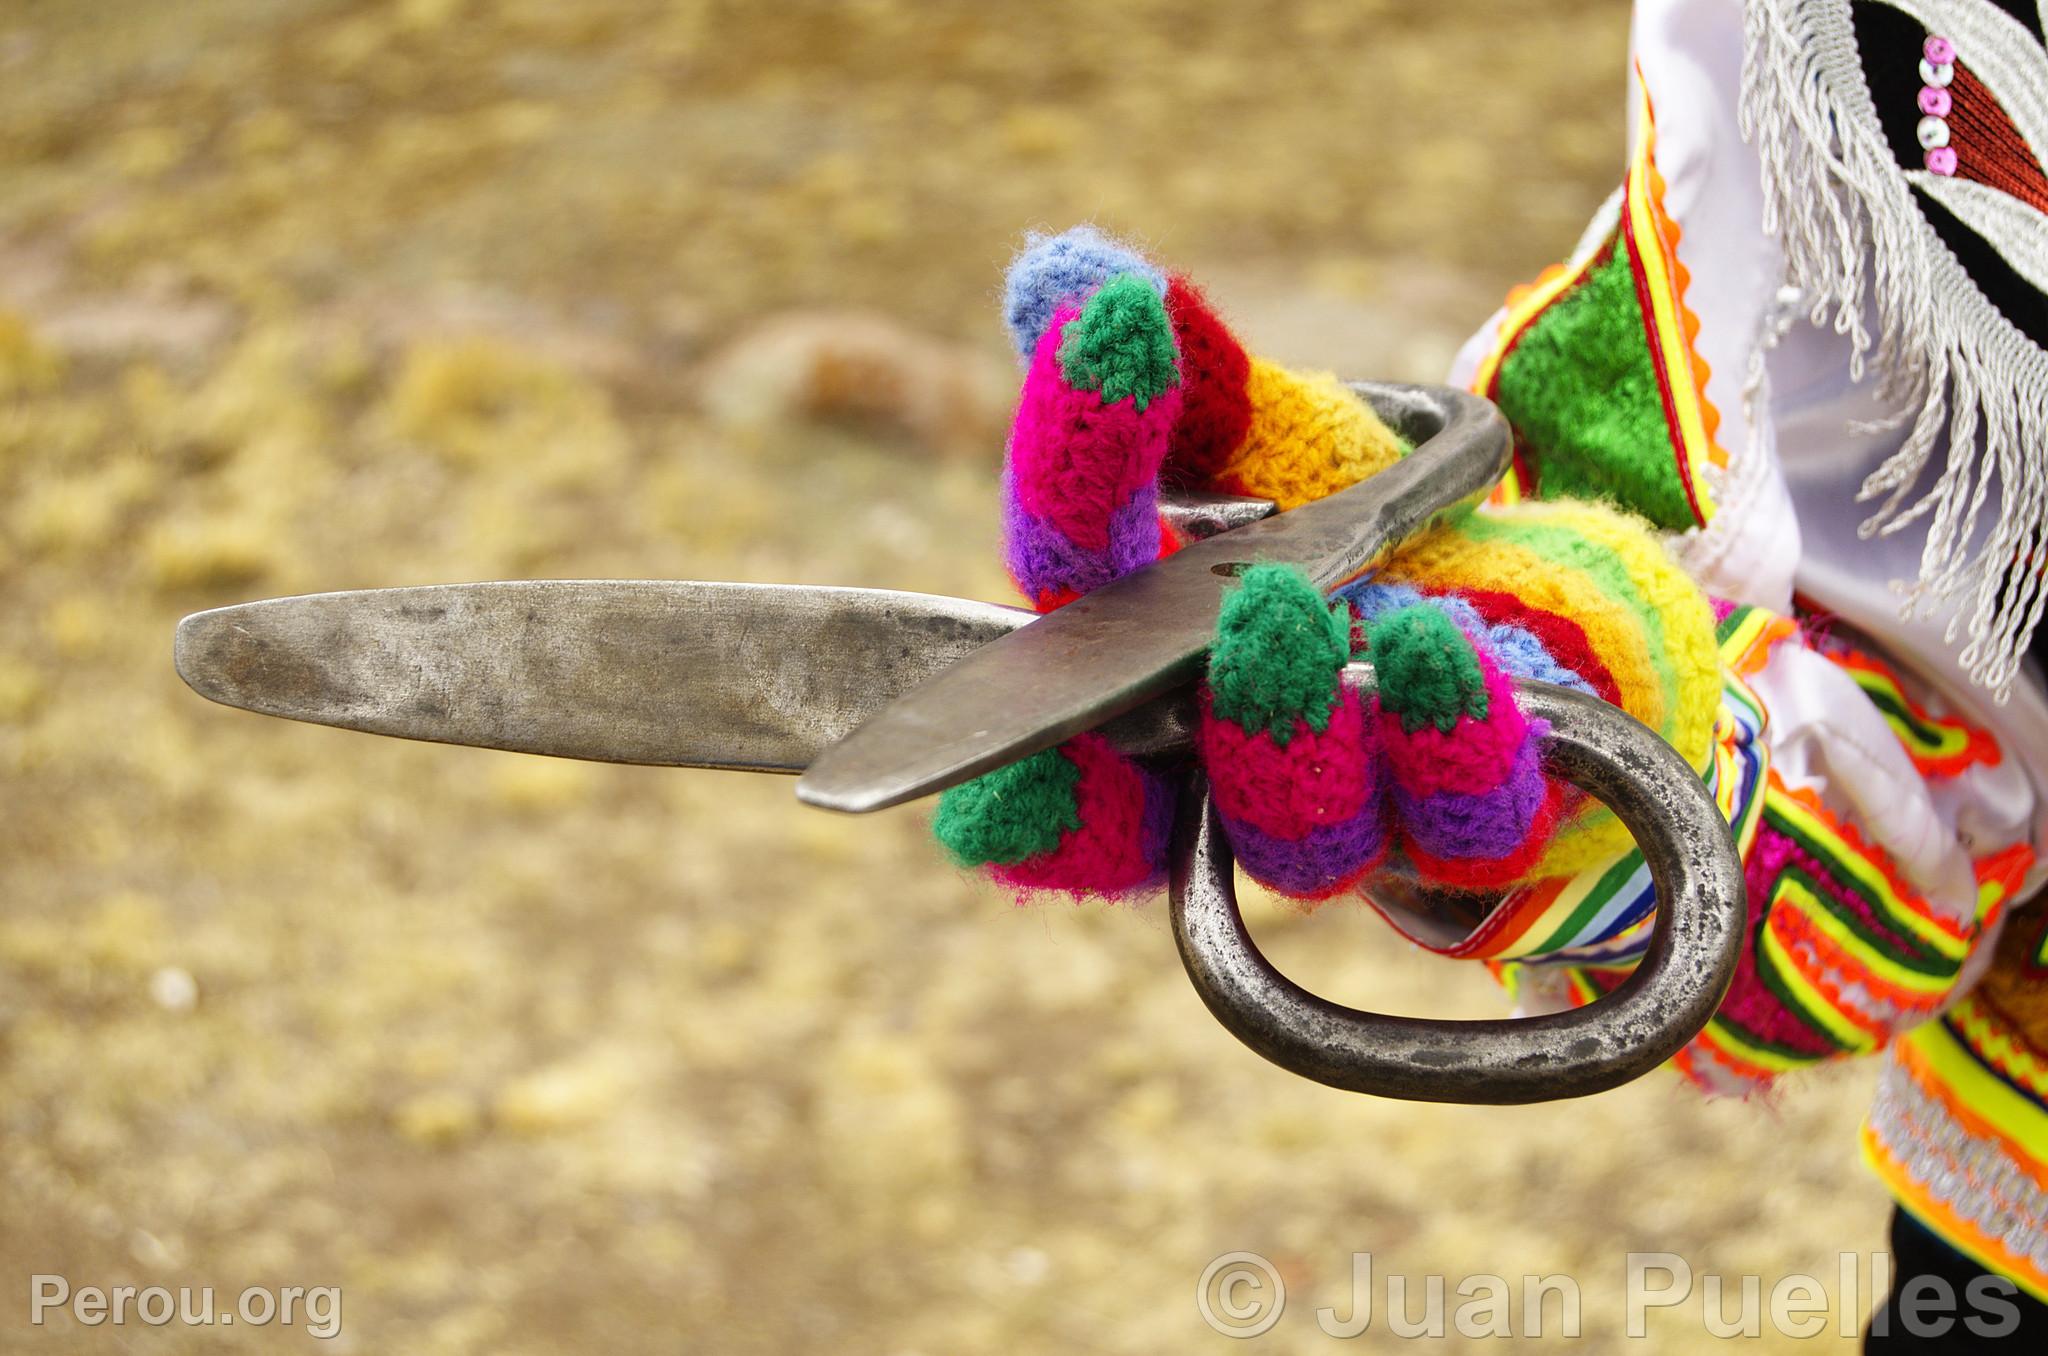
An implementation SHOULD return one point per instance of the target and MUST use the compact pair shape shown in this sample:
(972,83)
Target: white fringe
(1854,240)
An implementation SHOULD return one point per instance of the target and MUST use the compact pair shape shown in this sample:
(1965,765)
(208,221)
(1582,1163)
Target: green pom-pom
(1015,812)
(1278,654)
(1122,343)
(1428,672)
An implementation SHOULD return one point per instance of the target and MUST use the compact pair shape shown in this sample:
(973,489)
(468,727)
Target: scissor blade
(753,676)
(1121,645)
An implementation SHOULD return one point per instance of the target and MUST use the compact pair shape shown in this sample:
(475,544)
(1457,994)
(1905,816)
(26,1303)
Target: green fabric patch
(1581,391)
(1122,343)
(1428,673)
(1015,812)
(1279,648)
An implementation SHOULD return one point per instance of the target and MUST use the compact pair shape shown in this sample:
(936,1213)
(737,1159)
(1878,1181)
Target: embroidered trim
(1798,813)
(1967,382)
(1961,1153)
(1606,914)
(1652,239)
(1843,954)
(1986,1032)
(1939,747)
(1612,921)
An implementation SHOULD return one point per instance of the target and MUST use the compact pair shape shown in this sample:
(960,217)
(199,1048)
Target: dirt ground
(531,1056)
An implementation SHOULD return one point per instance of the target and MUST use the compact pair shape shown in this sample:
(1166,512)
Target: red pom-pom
(1215,409)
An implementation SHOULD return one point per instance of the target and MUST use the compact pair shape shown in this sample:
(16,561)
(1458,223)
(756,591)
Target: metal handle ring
(1701,911)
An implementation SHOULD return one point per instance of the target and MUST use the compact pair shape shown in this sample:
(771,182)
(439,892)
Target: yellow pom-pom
(1309,437)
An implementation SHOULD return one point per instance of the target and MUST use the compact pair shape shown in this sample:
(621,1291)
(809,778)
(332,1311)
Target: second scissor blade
(1148,632)
(752,676)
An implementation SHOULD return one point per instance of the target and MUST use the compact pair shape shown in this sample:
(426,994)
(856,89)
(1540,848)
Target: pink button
(1941,160)
(1940,51)
(1935,103)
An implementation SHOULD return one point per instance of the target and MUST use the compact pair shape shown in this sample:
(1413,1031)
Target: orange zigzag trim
(1710,417)
(1773,630)
(1992,1035)
(1669,325)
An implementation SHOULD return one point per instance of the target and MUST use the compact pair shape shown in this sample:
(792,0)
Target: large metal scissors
(878,697)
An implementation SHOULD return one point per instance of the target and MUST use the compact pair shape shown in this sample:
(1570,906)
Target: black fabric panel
(1917,1251)
(1889,41)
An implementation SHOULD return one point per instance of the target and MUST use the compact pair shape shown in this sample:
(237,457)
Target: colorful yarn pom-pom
(1061,270)
(1289,749)
(1474,806)
(1247,426)
(1081,819)
(1081,490)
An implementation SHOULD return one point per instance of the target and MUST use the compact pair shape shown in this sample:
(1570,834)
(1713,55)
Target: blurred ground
(540,1057)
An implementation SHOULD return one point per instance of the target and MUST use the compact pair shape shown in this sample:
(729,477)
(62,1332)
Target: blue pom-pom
(1522,655)
(1064,267)
(1517,650)
(1372,600)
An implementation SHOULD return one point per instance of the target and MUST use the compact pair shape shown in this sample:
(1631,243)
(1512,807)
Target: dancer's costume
(1793,380)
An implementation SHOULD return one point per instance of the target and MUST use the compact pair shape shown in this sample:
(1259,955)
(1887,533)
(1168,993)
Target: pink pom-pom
(1941,160)
(1935,103)
(1119,847)
(1938,50)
